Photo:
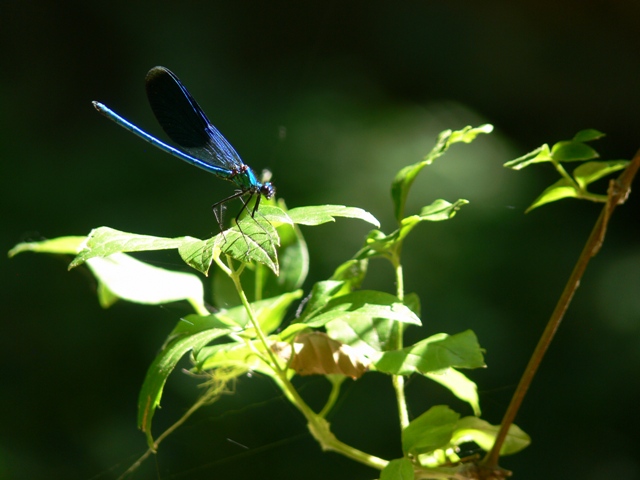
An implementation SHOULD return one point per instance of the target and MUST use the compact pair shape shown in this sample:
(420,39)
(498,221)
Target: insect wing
(185,122)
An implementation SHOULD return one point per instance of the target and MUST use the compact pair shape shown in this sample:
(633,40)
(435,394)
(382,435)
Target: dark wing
(185,123)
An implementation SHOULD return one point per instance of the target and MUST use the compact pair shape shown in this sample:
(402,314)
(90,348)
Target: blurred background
(333,98)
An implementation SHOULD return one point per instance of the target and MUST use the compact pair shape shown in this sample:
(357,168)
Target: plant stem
(275,364)
(618,192)
(398,380)
(317,425)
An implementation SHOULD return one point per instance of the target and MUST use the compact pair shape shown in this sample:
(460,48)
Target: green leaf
(321,294)
(259,282)
(105,241)
(159,371)
(473,429)
(194,323)
(379,244)
(412,301)
(459,385)
(60,245)
(405,177)
(570,151)
(433,354)
(539,155)
(239,356)
(441,210)
(201,253)
(430,431)
(368,335)
(588,135)
(362,305)
(269,312)
(398,469)
(589,172)
(253,240)
(561,189)
(317,215)
(275,215)
(130,279)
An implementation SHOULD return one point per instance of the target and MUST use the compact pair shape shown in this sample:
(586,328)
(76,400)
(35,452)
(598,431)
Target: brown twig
(617,194)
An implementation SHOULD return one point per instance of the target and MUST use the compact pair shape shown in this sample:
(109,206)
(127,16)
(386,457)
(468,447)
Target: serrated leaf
(473,429)
(459,385)
(570,151)
(561,189)
(430,431)
(432,354)
(159,371)
(200,254)
(588,135)
(589,172)
(317,215)
(363,304)
(61,245)
(253,240)
(407,175)
(261,282)
(135,281)
(398,469)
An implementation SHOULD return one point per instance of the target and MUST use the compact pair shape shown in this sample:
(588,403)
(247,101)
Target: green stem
(317,425)
(398,380)
(563,173)
(333,396)
(235,277)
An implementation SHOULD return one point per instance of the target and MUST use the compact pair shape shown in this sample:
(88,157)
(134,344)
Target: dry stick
(617,194)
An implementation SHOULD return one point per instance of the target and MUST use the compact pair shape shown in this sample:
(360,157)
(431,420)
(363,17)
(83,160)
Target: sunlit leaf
(369,335)
(239,356)
(441,210)
(430,431)
(588,135)
(60,245)
(406,176)
(571,151)
(200,254)
(159,371)
(253,240)
(473,429)
(459,385)
(136,281)
(398,469)
(105,241)
(363,304)
(321,294)
(379,244)
(591,171)
(317,215)
(539,155)
(561,189)
(433,354)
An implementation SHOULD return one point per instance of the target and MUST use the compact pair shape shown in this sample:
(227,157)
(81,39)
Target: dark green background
(334,98)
